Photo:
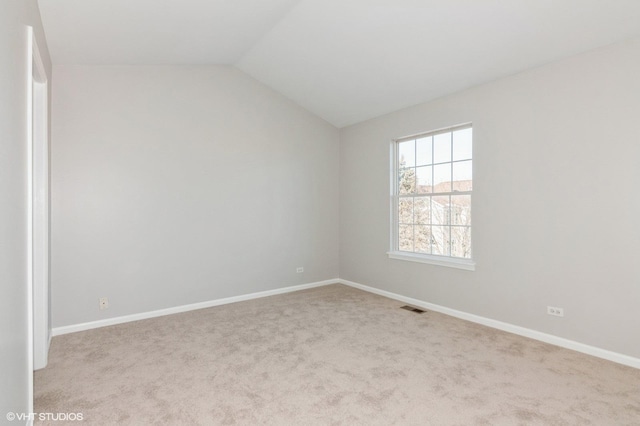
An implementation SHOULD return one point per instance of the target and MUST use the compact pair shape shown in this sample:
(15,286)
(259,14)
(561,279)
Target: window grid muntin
(430,195)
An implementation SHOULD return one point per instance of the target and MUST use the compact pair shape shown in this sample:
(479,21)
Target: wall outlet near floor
(299,270)
(558,312)
(104,303)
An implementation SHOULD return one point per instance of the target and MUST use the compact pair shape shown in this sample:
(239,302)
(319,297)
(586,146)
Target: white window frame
(432,259)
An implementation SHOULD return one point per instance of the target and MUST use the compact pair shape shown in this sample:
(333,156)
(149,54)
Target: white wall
(180,184)
(14,17)
(556,211)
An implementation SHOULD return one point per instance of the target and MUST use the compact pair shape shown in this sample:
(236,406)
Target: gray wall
(556,209)
(14,16)
(181,184)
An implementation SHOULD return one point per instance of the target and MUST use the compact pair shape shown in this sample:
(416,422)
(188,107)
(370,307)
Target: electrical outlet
(299,270)
(558,312)
(104,303)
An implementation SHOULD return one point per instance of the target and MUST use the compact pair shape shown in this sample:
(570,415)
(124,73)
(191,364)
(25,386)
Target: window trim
(433,259)
(394,253)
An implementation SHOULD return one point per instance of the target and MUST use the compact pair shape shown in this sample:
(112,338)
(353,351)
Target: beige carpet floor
(327,356)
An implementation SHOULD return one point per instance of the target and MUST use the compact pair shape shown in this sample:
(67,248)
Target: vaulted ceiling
(344,60)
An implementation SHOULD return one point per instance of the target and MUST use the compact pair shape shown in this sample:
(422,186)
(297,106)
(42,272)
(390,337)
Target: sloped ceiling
(345,60)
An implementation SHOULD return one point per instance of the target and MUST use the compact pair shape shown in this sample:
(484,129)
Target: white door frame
(40,208)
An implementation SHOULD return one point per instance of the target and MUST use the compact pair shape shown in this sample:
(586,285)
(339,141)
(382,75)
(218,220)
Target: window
(431,199)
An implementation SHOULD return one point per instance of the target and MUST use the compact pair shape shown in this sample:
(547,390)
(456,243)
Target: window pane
(423,239)
(424,180)
(440,241)
(442,178)
(423,151)
(422,210)
(462,144)
(462,176)
(442,148)
(405,210)
(440,212)
(407,154)
(407,181)
(461,241)
(461,210)
(405,237)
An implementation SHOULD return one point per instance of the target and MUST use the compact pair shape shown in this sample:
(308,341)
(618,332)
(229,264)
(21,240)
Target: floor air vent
(413,309)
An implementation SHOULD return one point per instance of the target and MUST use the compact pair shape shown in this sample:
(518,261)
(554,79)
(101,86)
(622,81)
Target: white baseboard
(57,331)
(522,331)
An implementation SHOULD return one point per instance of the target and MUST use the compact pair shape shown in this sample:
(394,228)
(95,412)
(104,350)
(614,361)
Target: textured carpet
(327,356)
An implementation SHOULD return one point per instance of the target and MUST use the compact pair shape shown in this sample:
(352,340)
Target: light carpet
(331,355)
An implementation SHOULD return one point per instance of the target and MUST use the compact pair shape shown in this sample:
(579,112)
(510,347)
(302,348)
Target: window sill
(450,262)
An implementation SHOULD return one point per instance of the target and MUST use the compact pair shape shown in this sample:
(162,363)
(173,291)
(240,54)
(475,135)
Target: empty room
(306,212)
